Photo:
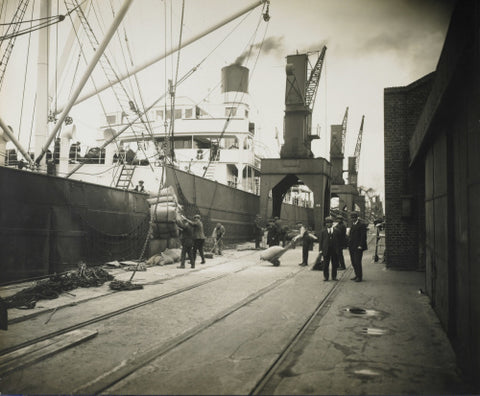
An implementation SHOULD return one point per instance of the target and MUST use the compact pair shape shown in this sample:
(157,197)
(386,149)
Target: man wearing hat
(139,187)
(357,243)
(328,246)
(340,226)
(199,238)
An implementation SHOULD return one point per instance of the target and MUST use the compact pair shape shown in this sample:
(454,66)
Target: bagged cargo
(165,228)
(166,191)
(175,254)
(154,260)
(166,259)
(271,252)
(163,214)
(163,199)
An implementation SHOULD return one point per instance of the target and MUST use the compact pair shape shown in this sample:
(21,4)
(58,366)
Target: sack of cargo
(165,228)
(271,253)
(163,199)
(173,253)
(163,214)
(166,259)
(165,192)
(164,236)
(153,260)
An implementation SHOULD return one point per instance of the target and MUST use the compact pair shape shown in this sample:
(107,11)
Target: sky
(371,45)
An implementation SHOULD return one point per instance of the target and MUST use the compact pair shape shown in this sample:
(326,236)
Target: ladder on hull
(210,172)
(125,178)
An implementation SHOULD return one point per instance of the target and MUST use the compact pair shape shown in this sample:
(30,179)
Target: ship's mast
(41,100)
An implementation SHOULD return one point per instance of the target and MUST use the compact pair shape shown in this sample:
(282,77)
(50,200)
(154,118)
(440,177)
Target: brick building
(432,183)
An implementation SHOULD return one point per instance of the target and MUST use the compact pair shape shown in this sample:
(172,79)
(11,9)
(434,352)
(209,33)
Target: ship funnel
(235,78)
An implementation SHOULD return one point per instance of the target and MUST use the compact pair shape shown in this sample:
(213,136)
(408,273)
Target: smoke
(270,45)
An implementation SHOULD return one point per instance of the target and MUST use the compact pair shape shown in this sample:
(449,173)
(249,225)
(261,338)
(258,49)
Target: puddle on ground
(362,311)
(367,373)
(373,331)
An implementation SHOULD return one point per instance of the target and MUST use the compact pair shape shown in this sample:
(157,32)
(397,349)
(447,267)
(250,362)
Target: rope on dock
(51,288)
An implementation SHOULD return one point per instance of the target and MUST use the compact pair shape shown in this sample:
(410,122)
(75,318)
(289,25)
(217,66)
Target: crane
(11,33)
(344,129)
(358,145)
(314,79)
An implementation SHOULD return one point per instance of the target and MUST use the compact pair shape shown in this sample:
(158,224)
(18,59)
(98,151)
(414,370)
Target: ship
(54,217)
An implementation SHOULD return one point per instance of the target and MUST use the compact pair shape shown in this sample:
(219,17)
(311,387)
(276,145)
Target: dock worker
(308,239)
(140,187)
(258,231)
(217,235)
(186,238)
(199,238)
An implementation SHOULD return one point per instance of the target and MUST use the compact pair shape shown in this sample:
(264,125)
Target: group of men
(331,242)
(193,240)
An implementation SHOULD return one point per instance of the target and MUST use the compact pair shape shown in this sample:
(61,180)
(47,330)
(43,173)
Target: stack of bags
(165,213)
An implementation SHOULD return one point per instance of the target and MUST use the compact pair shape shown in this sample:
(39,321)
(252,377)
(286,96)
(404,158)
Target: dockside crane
(358,146)
(300,98)
(354,162)
(314,79)
(344,130)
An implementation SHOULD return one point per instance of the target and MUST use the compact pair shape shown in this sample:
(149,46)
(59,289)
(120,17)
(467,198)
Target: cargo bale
(173,253)
(163,213)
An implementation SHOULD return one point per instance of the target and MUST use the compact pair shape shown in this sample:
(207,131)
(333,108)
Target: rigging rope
(24,82)
(55,18)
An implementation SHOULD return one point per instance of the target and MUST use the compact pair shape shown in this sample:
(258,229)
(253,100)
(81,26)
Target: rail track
(111,314)
(129,367)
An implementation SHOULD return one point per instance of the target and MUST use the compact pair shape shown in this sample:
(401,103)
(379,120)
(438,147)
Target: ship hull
(235,209)
(50,224)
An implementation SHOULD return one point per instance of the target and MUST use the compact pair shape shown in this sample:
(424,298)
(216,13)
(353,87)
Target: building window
(188,113)
(183,142)
(246,113)
(178,114)
(159,115)
(111,119)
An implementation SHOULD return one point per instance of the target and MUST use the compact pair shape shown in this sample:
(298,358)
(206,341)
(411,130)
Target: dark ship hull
(50,224)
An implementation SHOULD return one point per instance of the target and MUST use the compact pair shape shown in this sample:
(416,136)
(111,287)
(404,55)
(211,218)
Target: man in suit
(329,245)
(343,242)
(357,243)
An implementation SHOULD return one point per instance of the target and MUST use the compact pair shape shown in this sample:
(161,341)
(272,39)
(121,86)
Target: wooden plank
(41,350)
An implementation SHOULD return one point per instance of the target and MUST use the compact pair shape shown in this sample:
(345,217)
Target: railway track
(16,347)
(127,368)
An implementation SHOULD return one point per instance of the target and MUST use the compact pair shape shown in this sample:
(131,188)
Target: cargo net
(52,287)
(102,246)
